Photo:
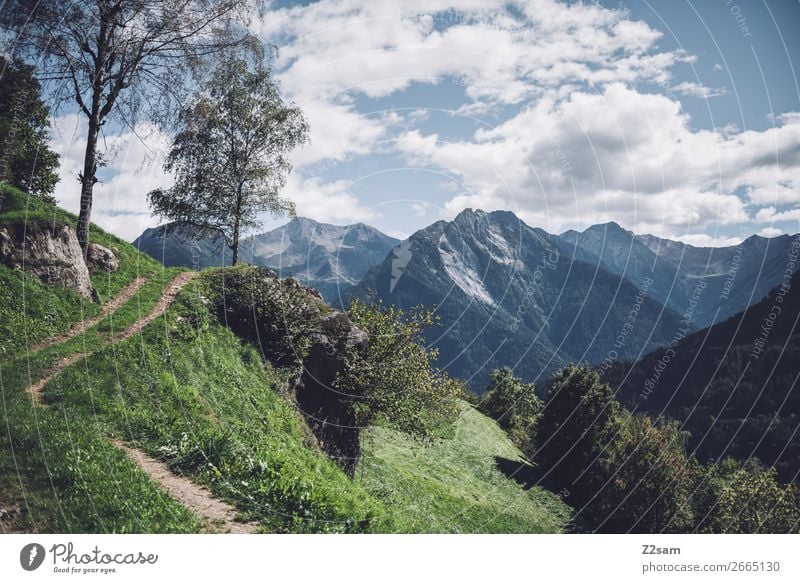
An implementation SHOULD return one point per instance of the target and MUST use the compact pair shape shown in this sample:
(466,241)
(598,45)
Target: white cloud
(336,49)
(703,240)
(771,215)
(770,232)
(616,155)
(329,202)
(698,90)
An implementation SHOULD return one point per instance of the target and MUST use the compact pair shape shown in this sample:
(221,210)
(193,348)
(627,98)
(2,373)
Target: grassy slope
(31,311)
(192,393)
(455,485)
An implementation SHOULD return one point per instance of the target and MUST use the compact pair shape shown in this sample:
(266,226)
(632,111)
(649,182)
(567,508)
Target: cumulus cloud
(698,90)
(617,155)
(330,202)
(771,215)
(334,50)
(770,232)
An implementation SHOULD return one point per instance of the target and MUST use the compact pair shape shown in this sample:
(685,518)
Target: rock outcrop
(328,412)
(99,258)
(296,330)
(51,252)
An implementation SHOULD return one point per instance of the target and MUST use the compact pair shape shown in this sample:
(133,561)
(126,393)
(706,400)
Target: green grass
(193,394)
(31,311)
(455,485)
(63,474)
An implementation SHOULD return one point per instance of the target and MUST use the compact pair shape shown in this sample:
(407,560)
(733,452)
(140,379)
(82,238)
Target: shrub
(393,380)
(514,405)
(645,480)
(261,308)
(745,498)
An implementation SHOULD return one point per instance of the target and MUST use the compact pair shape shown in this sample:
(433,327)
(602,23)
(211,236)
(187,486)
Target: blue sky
(669,117)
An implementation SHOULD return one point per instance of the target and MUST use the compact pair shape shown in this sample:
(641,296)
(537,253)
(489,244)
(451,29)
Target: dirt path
(163,303)
(219,516)
(112,306)
(36,390)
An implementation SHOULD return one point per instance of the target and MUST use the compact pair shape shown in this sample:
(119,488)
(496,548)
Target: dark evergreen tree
(26,160)
(579,418)
(514,405)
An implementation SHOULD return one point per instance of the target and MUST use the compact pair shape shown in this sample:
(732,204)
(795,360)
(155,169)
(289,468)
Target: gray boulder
(101,258)
(52,253)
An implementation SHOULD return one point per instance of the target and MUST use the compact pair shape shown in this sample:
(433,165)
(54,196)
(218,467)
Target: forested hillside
(733,385)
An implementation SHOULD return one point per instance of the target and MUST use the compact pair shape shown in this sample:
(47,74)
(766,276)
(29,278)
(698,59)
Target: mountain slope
(329,258)
(202,401)
(511,295)
(733,277)
(459,475)
(733,385)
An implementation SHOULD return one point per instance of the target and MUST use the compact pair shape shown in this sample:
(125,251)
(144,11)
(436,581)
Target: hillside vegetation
(733,385)
(187,390)
(468,481)
(31,311)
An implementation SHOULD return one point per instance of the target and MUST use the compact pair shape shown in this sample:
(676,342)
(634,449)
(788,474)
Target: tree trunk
(237,214)
(88,180)
(235,248)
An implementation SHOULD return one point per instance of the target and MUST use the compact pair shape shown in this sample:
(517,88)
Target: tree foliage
(745,498)
(26,161)
(624,472)
(579,417)
(394,380)
(644,480)
(514,405)
(230,157)
(121,58)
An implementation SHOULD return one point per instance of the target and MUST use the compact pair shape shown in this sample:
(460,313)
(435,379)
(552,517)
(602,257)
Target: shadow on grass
(521,472)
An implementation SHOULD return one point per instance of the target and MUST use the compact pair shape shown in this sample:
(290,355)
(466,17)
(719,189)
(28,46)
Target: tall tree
(579,419)
(121,58)
(230,157)
(26,161)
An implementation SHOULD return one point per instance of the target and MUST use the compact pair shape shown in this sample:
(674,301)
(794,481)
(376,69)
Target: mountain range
(511,295)
(507,294)
(327,257)
(730,278)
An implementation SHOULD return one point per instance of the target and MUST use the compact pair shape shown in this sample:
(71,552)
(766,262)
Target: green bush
(644,480)
(272,313)
(393,381)
(514,405)
(579,418)
(744,499)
